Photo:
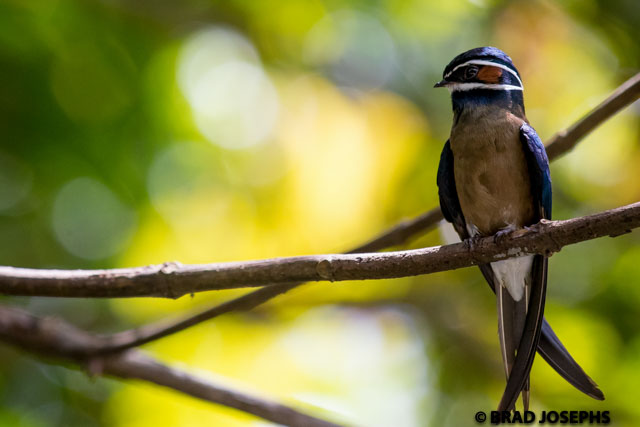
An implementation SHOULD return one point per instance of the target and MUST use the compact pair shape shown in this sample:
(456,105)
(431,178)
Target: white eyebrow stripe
(462,87)
(483,62)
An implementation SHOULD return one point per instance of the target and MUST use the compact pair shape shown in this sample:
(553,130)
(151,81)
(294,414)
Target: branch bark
(173,279)
(52,338)
(624,95)
(119,341)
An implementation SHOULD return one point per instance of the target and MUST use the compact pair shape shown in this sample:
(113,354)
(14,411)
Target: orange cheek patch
(489,74)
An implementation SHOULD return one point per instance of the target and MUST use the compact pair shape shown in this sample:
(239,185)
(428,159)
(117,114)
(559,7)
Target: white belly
(513,274)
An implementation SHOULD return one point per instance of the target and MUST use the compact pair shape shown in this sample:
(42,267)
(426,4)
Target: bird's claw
(501,235)
(472,241)
(505,233)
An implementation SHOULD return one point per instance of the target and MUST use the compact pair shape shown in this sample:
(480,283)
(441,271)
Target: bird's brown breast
(491,172)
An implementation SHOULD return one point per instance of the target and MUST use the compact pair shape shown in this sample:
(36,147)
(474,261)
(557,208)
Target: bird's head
(483,75)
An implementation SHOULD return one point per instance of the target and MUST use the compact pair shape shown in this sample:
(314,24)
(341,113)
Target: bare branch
(173,280)
(52,338)
(119,341)
(397,235)
(624,95)
(401,232)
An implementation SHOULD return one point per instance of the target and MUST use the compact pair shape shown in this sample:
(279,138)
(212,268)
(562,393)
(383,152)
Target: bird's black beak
(441,83)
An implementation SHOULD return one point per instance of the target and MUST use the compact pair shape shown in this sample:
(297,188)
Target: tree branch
(173,279)
(624,95)
(119,341)
(52,338)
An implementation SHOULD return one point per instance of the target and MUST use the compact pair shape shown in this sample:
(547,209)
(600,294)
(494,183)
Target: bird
(493,180)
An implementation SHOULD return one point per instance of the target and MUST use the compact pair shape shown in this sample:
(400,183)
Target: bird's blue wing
(538,164)
(449,202)
(549,345)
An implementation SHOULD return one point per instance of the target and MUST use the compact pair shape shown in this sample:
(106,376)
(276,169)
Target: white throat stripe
(492,64)
(461,87)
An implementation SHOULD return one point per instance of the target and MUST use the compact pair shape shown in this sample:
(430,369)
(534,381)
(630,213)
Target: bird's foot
(471,242)
(511,232)
(501,235)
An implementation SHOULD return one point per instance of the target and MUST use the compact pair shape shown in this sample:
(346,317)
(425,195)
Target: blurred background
(137,132)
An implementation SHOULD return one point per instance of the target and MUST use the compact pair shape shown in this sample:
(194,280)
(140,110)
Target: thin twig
(52,338)
(174,280)
(119,341)
(624,95)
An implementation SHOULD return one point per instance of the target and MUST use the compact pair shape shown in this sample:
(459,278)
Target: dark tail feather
(557,356)
(511,322)
(506,327)
(526,394)
(531,336)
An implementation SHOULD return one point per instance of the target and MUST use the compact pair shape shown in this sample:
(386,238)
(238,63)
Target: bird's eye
(470,72)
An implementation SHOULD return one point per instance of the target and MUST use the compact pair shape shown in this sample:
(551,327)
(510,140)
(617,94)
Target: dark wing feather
(539,174)
(550,346)
(449,202)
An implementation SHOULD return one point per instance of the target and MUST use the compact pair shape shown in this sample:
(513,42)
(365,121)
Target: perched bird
(493,179)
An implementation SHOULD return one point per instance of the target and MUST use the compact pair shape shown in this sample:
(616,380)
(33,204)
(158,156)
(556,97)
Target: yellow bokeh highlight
(567,72)
(346,155)
(343,159)
(339,363)
(585,337)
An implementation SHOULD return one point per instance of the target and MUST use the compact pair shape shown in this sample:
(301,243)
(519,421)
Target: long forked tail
(557,356)
(554,352)
(511,320)
(519,376)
